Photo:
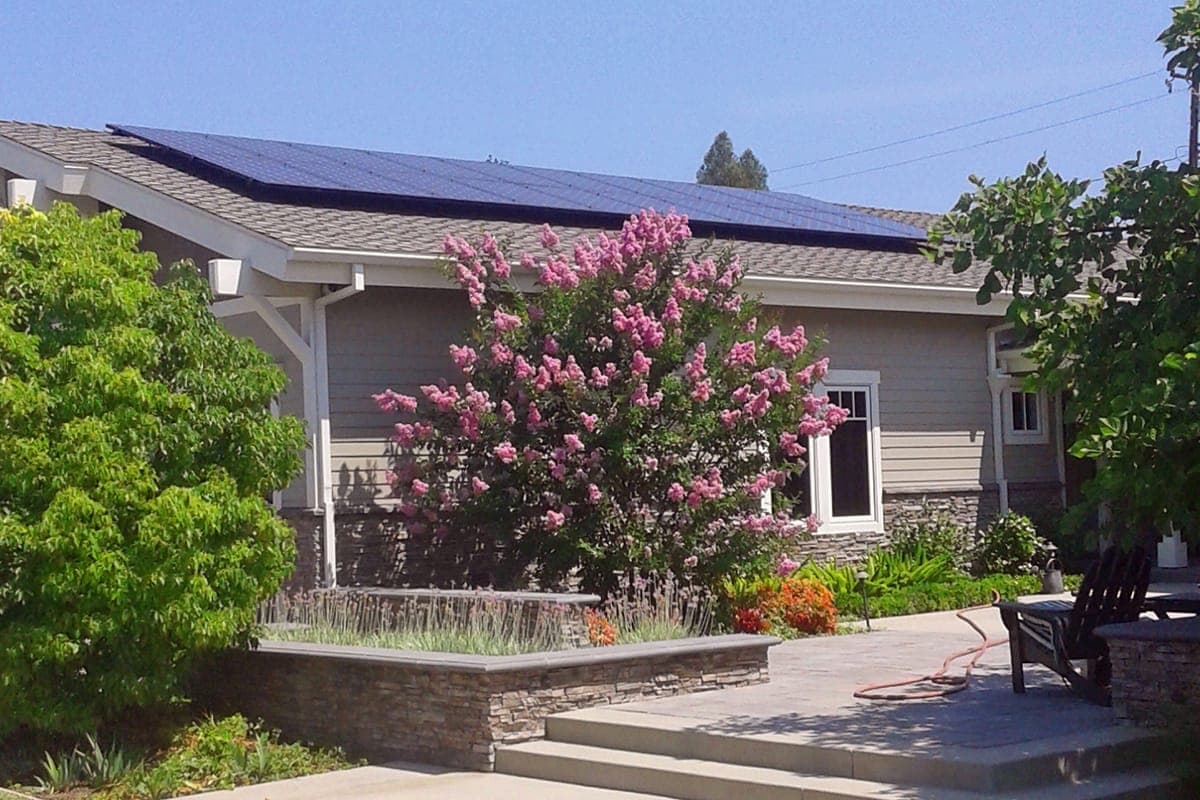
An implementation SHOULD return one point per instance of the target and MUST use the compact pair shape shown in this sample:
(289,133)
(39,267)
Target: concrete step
(1041,762)
(699,779)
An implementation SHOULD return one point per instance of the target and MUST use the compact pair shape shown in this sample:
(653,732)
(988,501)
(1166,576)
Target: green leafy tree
(1108,283)
(136,450)
(722,168)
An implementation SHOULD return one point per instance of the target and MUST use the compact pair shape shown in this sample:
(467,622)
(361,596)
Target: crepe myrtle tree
(136,449)
(627,416)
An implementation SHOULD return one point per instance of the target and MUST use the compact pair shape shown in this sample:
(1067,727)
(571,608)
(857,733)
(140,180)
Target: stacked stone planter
(1155,678)
(452,709)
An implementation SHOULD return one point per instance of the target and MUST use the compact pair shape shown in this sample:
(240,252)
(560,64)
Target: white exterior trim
(1012,436)
(822,489)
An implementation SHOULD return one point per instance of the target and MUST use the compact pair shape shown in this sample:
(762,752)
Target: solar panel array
(288,165)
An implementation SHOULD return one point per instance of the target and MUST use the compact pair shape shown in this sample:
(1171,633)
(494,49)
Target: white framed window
(1025,419)
(842,481)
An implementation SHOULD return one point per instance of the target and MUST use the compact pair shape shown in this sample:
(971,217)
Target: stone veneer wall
(453,710)
(1155,682)
(971,508)
(374,549)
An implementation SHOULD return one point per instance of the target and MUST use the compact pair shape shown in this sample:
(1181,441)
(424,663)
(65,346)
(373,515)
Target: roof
(267,168)
(338,227)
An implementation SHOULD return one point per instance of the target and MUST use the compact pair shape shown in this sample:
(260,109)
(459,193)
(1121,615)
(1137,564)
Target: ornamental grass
(482,624)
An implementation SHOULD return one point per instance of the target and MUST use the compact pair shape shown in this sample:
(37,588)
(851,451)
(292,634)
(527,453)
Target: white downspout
(324,436)
(997,382)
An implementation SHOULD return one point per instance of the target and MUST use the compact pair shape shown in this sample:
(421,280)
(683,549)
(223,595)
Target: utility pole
(1194,90)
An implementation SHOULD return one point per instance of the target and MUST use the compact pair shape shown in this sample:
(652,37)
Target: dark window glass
(1018,411)
(850,459)
(1031,412)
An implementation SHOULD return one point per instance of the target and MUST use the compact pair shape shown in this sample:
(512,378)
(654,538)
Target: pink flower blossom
(533,417)
(694,369)
(554,520)
(588,421)
(598,379)
(671,311)
(651,463)
(729,418)
(676,493)
(419,487)
(790,444)
(478,487)
(405,434)
(505,452)
(444,399)
(812,523)
(392,402)
(501,353)
(639,364)
(593,493)
(702,391)
(463,357)
(573,442)
(640,396)
(741,354)
(549,345)
(691,561)
(786,566)
(505,322)
(758,405)
(507,412)
(549,237)
(521,369)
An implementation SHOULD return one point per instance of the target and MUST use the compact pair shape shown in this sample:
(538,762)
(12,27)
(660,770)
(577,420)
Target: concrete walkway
(402,781)
(811,693)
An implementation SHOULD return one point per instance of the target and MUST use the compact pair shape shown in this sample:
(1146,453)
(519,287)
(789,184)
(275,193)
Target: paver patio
(810,695)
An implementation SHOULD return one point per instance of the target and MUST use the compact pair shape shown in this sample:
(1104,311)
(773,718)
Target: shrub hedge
(948,596)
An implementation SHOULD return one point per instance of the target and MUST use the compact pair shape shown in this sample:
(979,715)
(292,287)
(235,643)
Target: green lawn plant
(137,448)
(222,753)
(1010,545)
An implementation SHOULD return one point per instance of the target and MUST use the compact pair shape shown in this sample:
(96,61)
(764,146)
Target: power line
(964,148)
(965,125)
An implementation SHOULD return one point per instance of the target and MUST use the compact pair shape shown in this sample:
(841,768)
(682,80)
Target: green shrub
(221,754)
(887,571)
(93,765)
(1009,546)
(136,447)
(936,533)
(960,592)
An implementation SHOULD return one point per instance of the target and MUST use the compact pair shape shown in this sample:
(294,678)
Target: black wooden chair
(1055,633)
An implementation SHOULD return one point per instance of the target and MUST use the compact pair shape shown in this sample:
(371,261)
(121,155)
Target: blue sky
(624,88)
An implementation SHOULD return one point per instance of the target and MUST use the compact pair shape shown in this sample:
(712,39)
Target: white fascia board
(871,295)
(421,271)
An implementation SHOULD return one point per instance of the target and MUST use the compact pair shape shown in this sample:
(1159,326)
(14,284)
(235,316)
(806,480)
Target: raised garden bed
(453,709)
(1154,678)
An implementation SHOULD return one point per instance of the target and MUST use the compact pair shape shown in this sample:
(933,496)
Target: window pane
(1031,412)
(849,469)
(1017,401)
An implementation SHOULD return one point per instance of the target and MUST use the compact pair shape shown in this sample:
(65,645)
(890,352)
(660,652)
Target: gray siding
(935,406)
(383,338)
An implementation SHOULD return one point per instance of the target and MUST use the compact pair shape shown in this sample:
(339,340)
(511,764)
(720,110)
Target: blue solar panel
(338,169)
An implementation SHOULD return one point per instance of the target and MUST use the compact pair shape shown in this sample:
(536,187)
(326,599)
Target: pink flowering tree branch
(627,416)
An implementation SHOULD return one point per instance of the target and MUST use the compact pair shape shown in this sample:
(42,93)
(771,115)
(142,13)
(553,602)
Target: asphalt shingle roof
(304,225)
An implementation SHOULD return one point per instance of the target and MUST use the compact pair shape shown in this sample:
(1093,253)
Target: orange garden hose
(947,684)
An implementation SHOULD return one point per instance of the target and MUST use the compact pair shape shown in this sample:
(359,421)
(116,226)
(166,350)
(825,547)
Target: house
(329,259)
